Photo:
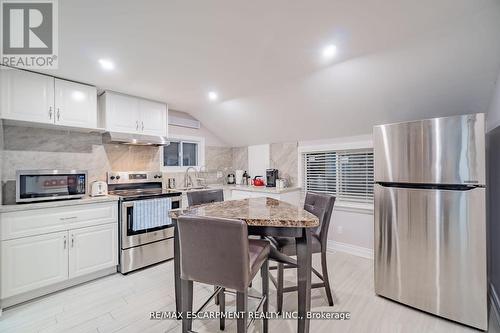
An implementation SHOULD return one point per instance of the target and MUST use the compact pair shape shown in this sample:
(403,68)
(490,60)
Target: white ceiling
(398,60)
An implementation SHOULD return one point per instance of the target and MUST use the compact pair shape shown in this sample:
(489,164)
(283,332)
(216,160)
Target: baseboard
(351,249)
(495,302)
(34,294)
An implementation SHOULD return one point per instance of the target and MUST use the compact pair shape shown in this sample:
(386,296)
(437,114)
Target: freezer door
(430,251)
(447,150)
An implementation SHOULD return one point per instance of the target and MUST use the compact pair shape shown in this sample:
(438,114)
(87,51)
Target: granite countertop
(263,189)
(255,212)
(56,203)
(247,188)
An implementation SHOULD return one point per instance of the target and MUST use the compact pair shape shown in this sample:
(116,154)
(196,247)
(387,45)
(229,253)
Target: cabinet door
(153,118)
(122,113)
(27,96)
(76,104)
(92,249)
(33,262)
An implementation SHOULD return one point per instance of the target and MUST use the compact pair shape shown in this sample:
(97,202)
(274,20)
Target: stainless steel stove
(139,246)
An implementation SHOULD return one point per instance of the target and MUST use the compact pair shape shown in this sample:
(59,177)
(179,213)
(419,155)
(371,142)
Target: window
(346,174)
(180,153)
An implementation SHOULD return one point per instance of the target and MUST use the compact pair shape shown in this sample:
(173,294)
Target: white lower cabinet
(92,249)
(80,240)
(34,262)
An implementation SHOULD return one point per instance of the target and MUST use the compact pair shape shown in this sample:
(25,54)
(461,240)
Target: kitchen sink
(191,188)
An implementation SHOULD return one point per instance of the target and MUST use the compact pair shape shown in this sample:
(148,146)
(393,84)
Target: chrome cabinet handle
(137,125)
(142,125)
(64,242)
(50,112)
(67,218)
(58,114)
(72,240)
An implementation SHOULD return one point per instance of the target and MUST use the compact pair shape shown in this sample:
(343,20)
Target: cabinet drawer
(41,221)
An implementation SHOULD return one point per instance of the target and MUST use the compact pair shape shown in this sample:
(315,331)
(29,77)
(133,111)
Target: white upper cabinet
(37,98)
(153,118)
(75,104)
(128,114)
(120,112)
(27,96)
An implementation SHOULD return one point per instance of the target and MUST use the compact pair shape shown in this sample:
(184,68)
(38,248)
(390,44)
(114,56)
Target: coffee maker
(271,176)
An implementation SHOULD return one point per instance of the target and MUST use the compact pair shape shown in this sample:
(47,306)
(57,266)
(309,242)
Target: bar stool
(205,196)
(218,252)
(320,205)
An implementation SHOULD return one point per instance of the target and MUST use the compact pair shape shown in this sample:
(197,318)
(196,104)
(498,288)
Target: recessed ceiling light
(329,51)
(212,96)
(107,64)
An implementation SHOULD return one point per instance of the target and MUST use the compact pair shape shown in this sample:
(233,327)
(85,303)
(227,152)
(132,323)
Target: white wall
(258,160)
(210,138)
(351,227)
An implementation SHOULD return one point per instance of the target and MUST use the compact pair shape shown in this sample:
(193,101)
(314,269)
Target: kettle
(258,181)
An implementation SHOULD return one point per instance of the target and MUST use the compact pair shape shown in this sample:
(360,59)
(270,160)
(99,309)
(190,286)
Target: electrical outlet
(340,229)
(219,174)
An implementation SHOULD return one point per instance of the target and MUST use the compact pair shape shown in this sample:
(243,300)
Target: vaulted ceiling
(397,60)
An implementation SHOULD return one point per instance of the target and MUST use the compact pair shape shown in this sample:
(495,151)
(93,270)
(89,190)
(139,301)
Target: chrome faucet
(188,180)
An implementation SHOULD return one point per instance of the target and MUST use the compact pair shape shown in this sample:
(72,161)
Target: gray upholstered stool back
(320,205)
(205,196)
(214,251)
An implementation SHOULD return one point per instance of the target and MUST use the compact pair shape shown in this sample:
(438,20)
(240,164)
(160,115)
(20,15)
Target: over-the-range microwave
(44,185)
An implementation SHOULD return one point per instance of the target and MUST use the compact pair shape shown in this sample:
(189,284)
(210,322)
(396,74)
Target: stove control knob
(159,176)
(112,177)
(117,177)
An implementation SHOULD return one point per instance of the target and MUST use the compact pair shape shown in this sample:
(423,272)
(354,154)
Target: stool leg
(222,309)
(326,281)
(186,304)
(216,297)
(242,309)
(264,271)
(279,288)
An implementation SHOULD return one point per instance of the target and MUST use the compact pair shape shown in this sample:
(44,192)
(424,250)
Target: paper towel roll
(239,177)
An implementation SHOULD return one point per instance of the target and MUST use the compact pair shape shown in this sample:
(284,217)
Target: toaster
(99,188)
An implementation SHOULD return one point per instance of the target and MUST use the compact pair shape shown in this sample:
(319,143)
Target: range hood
(135,139)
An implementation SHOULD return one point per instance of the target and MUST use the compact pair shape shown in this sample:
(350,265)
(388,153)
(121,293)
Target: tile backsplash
(26,148)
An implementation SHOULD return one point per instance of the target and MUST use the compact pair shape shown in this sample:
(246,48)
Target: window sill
(353,207)
(177,168)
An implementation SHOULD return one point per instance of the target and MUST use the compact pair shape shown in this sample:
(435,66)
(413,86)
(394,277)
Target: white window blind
(346,174)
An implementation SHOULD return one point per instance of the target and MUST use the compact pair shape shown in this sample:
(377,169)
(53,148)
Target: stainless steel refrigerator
(430,216)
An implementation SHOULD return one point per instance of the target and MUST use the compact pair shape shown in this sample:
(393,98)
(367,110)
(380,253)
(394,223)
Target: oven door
(131,237)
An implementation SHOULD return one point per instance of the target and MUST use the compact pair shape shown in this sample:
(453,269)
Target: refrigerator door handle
(446,187)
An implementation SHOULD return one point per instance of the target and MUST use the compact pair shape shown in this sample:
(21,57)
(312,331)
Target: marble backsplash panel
(218,159)
(284,157)
(240,158)
(36,148)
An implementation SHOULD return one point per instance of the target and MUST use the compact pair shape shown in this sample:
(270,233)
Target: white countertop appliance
(98,188)
(45,185)
(239,177)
